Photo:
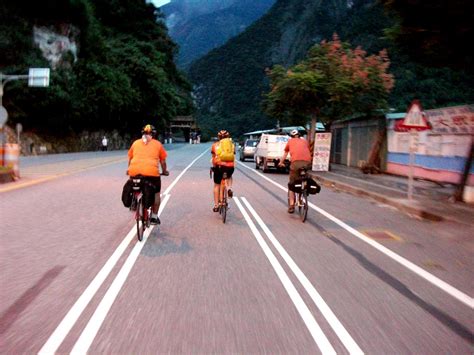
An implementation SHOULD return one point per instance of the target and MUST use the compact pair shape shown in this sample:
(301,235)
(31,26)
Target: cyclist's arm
(283,158)
(164,170)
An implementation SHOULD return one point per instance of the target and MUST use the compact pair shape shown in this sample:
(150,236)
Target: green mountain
(112,65)
(201,25)
(229,82)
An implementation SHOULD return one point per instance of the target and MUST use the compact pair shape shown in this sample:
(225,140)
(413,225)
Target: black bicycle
(301,198)
(142,213)
(223,205)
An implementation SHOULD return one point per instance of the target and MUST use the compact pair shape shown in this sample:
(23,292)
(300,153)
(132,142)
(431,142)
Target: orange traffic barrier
(11,156)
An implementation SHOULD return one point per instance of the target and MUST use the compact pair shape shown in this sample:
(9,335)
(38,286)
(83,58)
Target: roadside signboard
(322,148)
(415,117)
(38,77)
(415,121)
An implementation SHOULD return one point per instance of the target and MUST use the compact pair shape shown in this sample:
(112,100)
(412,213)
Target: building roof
(286,130)
(395,116)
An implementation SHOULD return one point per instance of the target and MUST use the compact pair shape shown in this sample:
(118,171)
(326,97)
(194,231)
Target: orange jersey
(215,159)
(144,158)
(299,149)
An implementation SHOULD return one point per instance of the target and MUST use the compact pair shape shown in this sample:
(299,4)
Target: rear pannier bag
(127,193)
(312,187)
(295,186)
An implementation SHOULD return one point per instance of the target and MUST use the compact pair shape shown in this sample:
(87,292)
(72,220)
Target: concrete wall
(441,152)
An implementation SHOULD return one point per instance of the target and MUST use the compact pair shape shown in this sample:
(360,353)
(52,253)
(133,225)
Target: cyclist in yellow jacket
(220,167)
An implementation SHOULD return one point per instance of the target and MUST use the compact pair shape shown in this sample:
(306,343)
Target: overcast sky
(159,3)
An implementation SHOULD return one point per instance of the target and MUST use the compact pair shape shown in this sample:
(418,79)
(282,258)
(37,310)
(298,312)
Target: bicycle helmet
(294,133)
(149,129)
(223,134)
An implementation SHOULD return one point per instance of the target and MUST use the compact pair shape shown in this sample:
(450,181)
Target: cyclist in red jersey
(300,156)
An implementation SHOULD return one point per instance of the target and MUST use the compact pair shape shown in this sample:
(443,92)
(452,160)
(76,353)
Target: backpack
(225,150)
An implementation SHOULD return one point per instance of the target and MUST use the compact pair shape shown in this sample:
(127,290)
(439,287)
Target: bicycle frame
(301,198)
(223,205)
(142,214)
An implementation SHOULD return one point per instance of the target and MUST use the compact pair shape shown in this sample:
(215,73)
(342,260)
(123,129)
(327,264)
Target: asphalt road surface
(357,277)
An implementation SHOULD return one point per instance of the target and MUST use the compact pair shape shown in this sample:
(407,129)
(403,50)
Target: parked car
(247,149)
(269,151)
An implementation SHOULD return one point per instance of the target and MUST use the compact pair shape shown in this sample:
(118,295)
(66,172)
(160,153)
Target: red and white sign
(415,118)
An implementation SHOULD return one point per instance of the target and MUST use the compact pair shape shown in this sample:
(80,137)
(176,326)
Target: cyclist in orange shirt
(300,156)
(219,168)
(143,158)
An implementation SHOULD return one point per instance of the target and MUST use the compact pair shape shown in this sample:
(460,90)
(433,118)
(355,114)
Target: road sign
(415,117)
(3,116)
(38,77)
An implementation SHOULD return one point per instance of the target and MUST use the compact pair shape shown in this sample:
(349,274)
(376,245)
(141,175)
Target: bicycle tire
(304,206)
(224,205)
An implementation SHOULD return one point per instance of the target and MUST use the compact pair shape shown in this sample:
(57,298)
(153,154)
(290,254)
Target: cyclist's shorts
(219,170)
(295,166)
(155,181)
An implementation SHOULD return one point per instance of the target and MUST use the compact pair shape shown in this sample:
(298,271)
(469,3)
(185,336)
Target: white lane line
(319,337)
(90,331)
(64,327)
(335,324)
(62,330)
(454,292)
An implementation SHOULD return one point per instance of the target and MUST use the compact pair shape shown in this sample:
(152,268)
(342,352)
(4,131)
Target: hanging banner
(322,149)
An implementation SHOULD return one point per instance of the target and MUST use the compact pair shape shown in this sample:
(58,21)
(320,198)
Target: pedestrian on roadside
(104,144)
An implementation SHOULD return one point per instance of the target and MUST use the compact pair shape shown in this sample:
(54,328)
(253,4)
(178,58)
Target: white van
(270,149)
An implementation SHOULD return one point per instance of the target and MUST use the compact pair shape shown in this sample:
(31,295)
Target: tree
(435,33)
(332,82)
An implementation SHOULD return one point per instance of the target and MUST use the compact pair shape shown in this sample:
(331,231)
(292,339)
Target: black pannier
(295,186)
(136,184)
(312,187)
(127,193)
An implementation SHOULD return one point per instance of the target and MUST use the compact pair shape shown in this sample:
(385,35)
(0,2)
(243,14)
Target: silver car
(247,150)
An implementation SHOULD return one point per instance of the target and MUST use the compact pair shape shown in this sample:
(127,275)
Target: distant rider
(300,156)
(144,156)
(222,162)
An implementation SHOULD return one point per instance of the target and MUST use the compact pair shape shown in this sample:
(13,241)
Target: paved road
(356,277)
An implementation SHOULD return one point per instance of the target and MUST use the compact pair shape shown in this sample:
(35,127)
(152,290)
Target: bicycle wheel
(303,207)
(140,219)
(224,205)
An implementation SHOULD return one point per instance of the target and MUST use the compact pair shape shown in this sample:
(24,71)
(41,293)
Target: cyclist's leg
(156,181)
(217,186)
(230,172)
(291,194)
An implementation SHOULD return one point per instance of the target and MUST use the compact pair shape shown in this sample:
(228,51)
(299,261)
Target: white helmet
(294,133)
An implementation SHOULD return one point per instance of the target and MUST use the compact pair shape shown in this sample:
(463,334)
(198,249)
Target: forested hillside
(199,26)
(230,81)
(112,65)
